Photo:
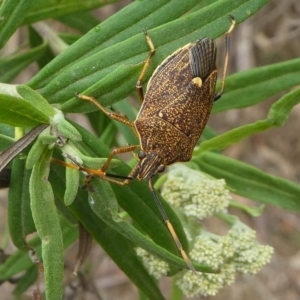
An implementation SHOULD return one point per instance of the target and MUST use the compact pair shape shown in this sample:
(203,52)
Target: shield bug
(176,107)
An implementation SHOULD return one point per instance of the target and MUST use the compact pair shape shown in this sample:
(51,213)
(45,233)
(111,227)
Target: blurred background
(272,35)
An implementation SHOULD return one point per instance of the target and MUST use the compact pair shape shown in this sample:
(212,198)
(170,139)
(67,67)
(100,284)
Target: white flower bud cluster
(194,194)
(238,251)
(250,256)
(207,252)
(206,284)
(155,266)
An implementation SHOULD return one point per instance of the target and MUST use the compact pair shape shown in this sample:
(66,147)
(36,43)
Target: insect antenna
(170,227)
(227,42)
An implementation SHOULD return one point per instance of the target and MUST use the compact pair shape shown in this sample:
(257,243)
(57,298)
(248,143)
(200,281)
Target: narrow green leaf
(19,261)
(36,99)
(48,227)
(35,153)
(12,65)
(12,13)
(8,131)
(277,116)
(46,9)
(105,206)
(72,184)
(84,72)
(35,40)
(82,20)
(251,182)
(69,38)
(108,135)
(250,87)
(56,44)
(7,136)
(135,17)
(17,111)
(5,142)
(19,213)
(127,109)
(120,249)
(27,280)
(68,130)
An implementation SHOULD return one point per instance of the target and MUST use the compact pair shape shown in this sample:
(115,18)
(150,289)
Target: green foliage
(105,62)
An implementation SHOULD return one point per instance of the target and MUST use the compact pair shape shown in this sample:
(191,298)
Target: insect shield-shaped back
(177,104)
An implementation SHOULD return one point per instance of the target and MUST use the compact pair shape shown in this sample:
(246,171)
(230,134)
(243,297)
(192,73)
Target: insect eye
(141,155)
(161,169)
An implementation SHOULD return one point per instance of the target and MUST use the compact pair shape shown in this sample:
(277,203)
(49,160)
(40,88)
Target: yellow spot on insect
(197,81)
(160,114)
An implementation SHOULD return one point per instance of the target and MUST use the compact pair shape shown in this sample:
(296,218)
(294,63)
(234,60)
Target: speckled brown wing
(167,82)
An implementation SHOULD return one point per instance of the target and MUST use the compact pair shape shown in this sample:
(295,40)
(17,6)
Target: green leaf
(5,142)
(113,31)
(120,249)
(17,111)
(69,38)
(48,227)
(20,261)
(72,184)
(19,212)
(35,153)
(7,134)
(253,86)
(82,21)
(35,40)
(108,135)
(277,116)
(12,65)
(46,9)
(110,49)
(68,130)
(251,182)
(105,205)
(8,131)
(126,108)
(12,13)
(27,280)
(36,99)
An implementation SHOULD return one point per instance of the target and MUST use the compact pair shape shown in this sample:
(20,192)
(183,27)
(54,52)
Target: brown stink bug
(177,104)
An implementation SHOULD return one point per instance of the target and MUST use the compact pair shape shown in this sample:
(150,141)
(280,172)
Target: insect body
(176,107)
(174,112)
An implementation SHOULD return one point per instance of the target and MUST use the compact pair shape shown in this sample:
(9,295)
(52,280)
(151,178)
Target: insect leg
(90,173)
(227,42)
(116,151)
(139,87)
(171,228)
(113,115)
(106,176)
